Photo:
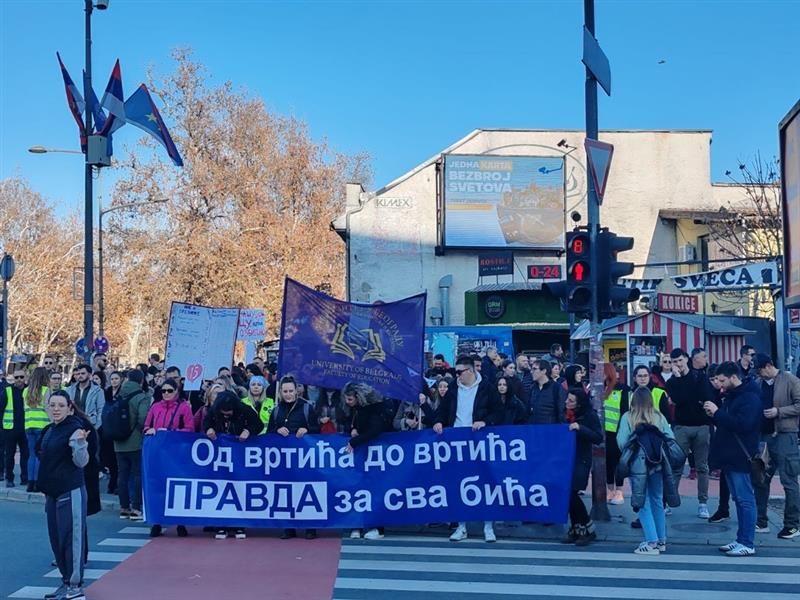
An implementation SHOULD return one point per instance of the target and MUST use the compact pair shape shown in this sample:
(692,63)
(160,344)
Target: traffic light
(612,296)
(575,291)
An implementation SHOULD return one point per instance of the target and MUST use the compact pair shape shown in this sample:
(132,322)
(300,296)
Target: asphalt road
(25,549)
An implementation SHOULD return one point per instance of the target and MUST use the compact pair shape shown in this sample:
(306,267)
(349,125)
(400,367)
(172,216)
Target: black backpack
(117,425)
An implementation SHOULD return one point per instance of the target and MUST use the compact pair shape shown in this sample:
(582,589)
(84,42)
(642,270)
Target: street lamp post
(101,307)
(88,242)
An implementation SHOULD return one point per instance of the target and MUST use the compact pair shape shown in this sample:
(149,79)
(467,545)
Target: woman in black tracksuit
(63,450)
(295,416)
(586,425)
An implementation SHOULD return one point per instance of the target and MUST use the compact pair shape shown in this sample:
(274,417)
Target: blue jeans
(651,515)
(32,435)
(742,493)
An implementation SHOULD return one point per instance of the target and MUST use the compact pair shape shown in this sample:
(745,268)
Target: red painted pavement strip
(202,568)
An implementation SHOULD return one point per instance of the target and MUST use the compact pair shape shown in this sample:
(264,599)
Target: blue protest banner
(497,473)
(327,342)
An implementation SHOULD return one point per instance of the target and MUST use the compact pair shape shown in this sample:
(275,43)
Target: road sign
(598,155)
(80,347)
(101,344)
(596,61)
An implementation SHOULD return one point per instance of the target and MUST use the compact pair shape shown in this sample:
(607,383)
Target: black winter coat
(740,415)
(511,412)
(368,421)
(589,433)
(298,415)
(243,418)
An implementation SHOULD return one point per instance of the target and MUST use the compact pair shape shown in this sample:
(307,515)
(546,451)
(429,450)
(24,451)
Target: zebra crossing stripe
(711,558)
(495,588)
(32,591)
(108,556)
(124,542)
(473,568)
(87,573)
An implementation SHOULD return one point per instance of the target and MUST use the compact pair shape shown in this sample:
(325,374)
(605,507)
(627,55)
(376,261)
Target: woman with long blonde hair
(36,418)
(642,433)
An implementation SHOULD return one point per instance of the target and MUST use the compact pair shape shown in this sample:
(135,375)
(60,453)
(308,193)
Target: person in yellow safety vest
(257,398)
(36,418)
(12,409)
(615,405)
(642,377)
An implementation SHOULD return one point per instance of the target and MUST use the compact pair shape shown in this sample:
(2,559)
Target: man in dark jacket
(736,439)
(689,389)
(12,414)
(547,396)
(524,373)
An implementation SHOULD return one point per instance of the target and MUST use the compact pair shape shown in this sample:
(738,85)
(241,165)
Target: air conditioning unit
(687,253)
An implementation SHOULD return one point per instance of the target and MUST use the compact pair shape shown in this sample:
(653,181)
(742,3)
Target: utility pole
(596,377)
(88,238)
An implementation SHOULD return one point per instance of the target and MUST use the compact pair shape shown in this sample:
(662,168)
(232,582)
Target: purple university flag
(327,342)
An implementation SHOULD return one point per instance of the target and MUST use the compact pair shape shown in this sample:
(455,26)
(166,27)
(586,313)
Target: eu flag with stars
(140,110)
(327,342)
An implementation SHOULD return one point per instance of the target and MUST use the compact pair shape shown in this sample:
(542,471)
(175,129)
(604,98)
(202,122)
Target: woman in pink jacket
(169,414)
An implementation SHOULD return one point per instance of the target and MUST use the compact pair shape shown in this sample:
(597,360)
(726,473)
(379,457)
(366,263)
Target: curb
(20,495)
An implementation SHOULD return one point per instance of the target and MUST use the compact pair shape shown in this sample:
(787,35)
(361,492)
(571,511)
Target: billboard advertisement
(499,202)
(789,132)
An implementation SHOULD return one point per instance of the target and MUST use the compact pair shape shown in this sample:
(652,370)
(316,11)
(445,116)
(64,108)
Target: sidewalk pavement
(683,526)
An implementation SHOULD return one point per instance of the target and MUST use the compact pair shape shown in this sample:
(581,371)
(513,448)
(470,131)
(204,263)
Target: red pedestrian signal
(580,272)
(575,291)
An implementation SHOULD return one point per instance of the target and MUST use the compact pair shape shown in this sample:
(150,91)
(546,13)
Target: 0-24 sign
(544,271)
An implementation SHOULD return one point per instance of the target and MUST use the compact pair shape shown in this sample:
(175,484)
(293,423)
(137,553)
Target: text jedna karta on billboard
(503,201)
(504,473)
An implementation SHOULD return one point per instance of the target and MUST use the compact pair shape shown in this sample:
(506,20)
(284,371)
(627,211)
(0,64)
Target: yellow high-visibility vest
(8,414)
(612,411)
(266,407)
(36,417)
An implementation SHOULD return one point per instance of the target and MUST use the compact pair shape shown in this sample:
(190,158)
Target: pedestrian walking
(643,438)
(133,403)
(738,423)
(689,389)
(12,407)
(36,418)
(588,432)
(780,399)
(63,450)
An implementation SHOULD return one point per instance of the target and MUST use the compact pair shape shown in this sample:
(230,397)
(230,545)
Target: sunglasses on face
(460,371)
(167,390)
(19,377)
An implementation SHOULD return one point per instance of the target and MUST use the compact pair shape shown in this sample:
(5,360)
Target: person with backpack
(229,415)
(171,413)
(124,423)
(108,457)
(647,460)
(292,416)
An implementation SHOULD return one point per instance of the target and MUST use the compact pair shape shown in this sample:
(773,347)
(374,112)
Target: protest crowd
(736,421)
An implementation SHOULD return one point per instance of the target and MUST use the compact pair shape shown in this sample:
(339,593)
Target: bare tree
(751,227)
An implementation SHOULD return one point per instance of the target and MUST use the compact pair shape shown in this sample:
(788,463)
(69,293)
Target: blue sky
(403,80)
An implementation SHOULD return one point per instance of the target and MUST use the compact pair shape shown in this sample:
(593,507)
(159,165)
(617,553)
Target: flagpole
(88,241)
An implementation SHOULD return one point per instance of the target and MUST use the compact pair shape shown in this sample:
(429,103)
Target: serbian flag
(100,119)
(140,110)
(75,102)
(113,101)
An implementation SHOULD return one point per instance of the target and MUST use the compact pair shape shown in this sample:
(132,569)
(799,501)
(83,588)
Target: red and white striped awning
(679,334)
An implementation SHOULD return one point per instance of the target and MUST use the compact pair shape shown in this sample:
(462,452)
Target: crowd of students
(728,416)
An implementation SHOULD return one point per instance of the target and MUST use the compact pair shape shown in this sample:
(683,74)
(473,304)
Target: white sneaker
(355,534)
(459,534)
(728,547)
(645,548)
(373,534)
(661,546)
(739,550)
(668,511)
(702,512)
(764,529)
(488,534)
